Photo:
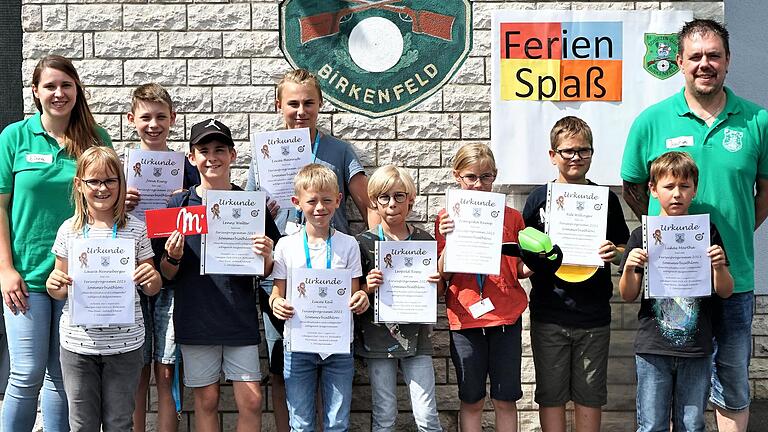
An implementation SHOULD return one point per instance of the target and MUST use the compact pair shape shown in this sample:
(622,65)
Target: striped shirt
(107,340)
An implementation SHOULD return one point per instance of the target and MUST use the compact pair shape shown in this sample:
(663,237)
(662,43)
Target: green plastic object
(533,240)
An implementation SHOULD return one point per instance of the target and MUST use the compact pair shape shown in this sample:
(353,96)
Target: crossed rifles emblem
(422,21)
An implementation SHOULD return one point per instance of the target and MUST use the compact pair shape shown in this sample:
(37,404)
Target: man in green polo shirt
(727,136)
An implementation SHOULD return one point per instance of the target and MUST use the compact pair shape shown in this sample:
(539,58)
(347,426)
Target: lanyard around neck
(315,146)
(382,238)
(480,283)
(87,230)
(328,249)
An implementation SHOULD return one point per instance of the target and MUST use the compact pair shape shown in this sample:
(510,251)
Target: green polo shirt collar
(732,105)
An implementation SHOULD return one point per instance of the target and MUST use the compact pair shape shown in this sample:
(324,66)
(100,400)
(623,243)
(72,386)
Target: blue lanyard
(382,238)
(328,249)
(87,229)
(315,146)
(480,282)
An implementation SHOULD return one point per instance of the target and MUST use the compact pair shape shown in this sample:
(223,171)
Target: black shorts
(493,352)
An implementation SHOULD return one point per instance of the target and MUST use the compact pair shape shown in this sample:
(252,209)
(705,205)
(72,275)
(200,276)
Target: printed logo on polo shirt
(377,57)
(39,158)
(660,55)
(732,140)
(561,61)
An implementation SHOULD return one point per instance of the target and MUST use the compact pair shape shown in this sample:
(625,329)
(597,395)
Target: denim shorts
(495,352)
(159,336)
(671,386)
(732,326)
(203,364)
(571,364)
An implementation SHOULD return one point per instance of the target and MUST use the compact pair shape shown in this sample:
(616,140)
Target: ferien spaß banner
(602,66)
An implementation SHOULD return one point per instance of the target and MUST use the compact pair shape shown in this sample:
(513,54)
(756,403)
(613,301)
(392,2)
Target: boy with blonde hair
(317,245)
(385,346)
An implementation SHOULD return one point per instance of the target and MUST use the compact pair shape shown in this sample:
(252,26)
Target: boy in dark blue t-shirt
(215,316)
(570,322)
(673,346)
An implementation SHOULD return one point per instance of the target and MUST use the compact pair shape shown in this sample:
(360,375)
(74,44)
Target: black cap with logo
(210,130)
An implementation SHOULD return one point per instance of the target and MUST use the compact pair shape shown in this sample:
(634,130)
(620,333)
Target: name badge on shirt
(39,158)
(681,141)
(481,308)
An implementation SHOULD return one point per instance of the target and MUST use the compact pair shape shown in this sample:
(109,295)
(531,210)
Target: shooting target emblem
(377,57)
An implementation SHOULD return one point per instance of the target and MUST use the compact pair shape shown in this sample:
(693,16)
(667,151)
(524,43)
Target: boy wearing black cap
(215,316)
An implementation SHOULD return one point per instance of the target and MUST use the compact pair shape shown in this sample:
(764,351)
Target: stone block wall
(221,58)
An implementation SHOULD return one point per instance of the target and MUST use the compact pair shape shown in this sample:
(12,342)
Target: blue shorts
(159,337)
(732,326)
(494,352)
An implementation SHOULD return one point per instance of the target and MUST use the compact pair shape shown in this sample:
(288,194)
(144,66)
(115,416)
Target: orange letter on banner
(595,80)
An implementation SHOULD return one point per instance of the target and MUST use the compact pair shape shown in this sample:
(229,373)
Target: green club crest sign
(377,57)
(660,55)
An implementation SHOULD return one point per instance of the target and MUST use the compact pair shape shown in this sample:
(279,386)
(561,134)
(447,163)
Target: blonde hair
(103,159)
(387,176)
(81,131)
(315,177)
(472,154)
(677,164)
(570,127)
(300,76)
(151,92)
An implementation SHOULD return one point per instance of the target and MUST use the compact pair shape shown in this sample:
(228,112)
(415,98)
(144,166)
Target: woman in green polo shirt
(37,164)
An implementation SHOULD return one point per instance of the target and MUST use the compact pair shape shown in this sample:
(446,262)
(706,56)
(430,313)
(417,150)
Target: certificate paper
(678,265)
(576,220)
(103,292)
(474,246)
(233,218)
(278,156)
(322,322)
(156,174)
(406,296)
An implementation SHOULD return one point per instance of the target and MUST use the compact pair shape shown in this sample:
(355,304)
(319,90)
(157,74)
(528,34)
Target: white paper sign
(583,53)
(322,321)
(156,174)
(474,246)
(233,218)
(103,292)
(678,265)
(576,220)
(278,156)
(405,296)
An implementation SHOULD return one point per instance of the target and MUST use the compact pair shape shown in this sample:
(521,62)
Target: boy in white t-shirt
(317,245)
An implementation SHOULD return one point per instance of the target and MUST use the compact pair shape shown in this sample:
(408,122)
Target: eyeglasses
(485,179)
(95,184)
(568,154)
(399,198)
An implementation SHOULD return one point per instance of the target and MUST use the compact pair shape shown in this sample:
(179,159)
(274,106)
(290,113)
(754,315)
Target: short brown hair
(569,127)
(300,76)
(703,27)
(151,92)
(315,177)
(677,164)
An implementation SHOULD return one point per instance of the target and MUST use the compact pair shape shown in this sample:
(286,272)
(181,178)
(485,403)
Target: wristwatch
(172,261)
